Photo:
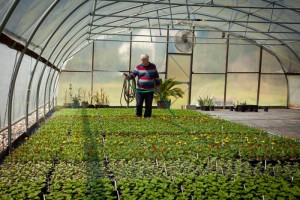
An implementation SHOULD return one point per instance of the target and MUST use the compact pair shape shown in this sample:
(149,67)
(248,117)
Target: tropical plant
(168,90)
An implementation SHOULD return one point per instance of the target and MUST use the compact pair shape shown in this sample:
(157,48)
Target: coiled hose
(128,91)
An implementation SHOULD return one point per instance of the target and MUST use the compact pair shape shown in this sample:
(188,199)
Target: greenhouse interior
(227,77)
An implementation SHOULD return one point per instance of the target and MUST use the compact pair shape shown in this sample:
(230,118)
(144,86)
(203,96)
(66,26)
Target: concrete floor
(284,122)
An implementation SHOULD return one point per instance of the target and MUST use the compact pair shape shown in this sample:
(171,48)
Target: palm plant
(168,90)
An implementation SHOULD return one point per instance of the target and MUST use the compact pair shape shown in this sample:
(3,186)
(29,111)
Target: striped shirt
(147,76)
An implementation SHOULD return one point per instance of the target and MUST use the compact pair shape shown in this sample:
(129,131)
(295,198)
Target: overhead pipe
(171,14)
(158,23)
(198,19)
(150,29)
(271,18)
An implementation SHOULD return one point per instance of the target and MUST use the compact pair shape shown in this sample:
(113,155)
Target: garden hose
(131,91)
(128,91)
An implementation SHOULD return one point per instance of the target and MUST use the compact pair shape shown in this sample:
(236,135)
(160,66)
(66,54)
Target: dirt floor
(283,122)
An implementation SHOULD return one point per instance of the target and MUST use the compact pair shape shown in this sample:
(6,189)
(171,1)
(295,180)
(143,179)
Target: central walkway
(283,122)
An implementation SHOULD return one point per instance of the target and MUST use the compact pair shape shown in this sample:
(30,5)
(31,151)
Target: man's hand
(127,76)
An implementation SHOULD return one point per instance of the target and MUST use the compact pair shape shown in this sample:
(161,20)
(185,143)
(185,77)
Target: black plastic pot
(162,104)
(266,108)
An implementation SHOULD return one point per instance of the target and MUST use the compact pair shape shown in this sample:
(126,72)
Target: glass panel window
(270,64)
(20,90)
(112,56)
(294,92)
(242,88)
(82,60)
(243,57)
(209,58)
(7,61)
(69,87)
(110,85)
(208,85)
(156,49)
(273,90)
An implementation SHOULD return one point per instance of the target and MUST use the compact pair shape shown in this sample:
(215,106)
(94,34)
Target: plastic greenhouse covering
(56,50)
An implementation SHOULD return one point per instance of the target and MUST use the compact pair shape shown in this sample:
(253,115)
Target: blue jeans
(140,98)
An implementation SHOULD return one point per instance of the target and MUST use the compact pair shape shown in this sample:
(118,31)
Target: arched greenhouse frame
(68,130)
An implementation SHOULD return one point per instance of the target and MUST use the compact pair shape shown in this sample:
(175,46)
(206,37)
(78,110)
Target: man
(148,80)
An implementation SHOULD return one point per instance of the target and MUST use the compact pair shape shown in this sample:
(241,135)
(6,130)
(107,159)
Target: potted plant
(266,108)
(201,103)
(75,102)
(101,99)
(206,103)
(211,104)
(84,104)
(167,90)
(244,106)
(231,108)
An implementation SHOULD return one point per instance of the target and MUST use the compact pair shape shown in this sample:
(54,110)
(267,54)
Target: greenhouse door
(179,68)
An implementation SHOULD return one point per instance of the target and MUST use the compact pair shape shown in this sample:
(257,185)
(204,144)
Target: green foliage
(205,101)
(101,98)
(75,102)
(100,153)
(168,90)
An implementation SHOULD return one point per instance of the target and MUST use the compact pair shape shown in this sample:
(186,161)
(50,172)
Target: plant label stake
(181,188)
(116,188)
(166,172)
(103,141)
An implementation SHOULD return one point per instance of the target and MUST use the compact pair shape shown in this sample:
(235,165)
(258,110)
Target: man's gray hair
(144,56)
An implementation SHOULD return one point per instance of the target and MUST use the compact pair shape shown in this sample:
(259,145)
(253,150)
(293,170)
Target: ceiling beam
(198,20)
(208,30)
(208,5)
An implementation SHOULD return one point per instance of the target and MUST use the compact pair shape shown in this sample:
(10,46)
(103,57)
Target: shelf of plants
(110,154)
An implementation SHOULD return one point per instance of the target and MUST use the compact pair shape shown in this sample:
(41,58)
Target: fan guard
(184,40)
